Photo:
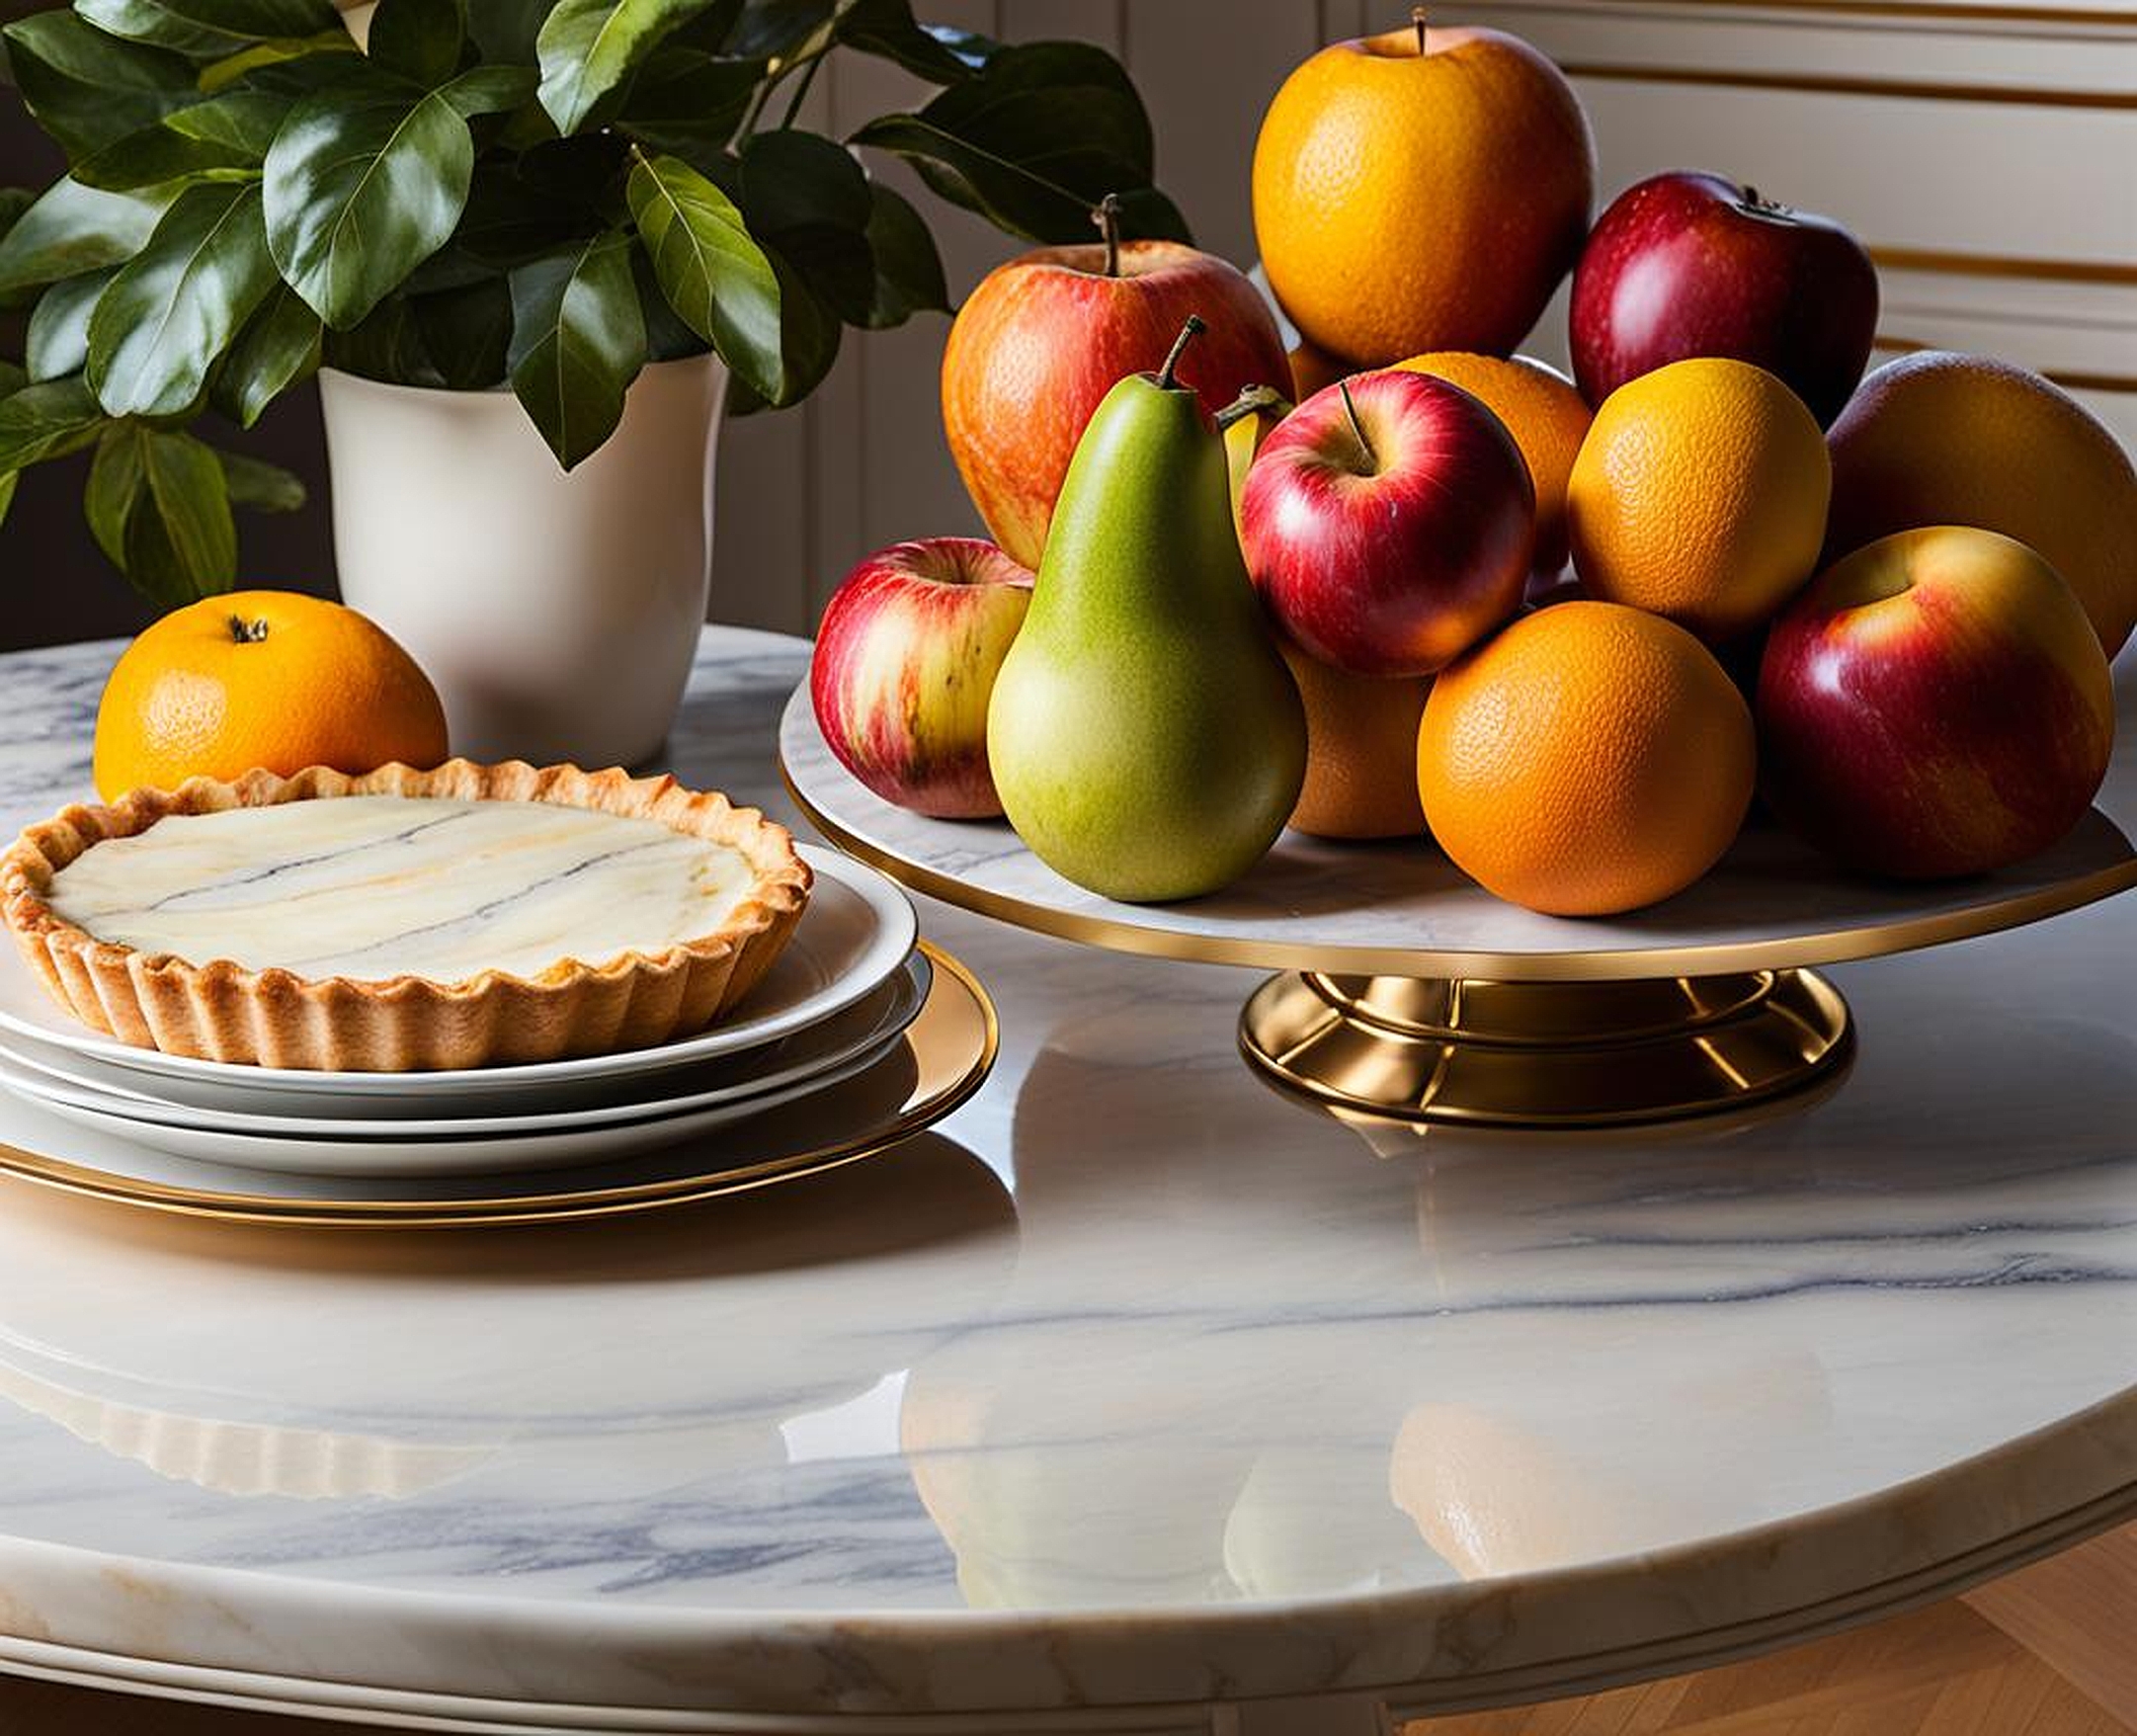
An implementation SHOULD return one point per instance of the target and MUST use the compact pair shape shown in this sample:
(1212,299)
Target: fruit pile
(1565,629)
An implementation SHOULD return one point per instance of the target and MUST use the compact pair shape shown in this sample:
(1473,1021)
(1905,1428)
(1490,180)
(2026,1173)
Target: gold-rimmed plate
(944,1057)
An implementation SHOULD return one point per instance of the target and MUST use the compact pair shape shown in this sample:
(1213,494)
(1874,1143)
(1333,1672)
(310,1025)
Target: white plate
(392,1159)
(52,1077)
(858,929)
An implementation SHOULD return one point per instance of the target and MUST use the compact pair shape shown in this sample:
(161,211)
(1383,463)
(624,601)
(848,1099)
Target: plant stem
(1187,334)
(1418,16)
(1107,219)
(247,632)
(1372,458)
(802,92)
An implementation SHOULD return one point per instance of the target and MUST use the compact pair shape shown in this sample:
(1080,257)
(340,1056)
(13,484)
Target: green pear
(1146,739)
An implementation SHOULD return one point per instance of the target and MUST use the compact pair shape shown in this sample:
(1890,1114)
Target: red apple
(1045,337)
(1936,703)
(1388,523)
(1688,264)
(905,663)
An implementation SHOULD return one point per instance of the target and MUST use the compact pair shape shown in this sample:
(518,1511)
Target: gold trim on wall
(1848,85)
(1991,264)
(1895,9)
(2071,379)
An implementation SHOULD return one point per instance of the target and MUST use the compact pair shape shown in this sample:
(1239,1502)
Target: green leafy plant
(540,194)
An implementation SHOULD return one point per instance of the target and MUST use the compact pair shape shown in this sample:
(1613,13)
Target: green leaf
(158,503)
(58,341)
(422,39)
(908,270)
(263,487)
(489,90)
(360,189)
(505,30)
(685,98)
(777,28)
(578,341)
(809,335)
(887,27)
(466,332)
(47,421)
(209,27)
(387,345)
(89,90)
(1033,141)
(115,484)
(169,315)
(7,495)
(13,376)
(713,274)
(74,228)
(588,48)
(808,199)
(226,132)
(265,58)
(667,338)
(278,346)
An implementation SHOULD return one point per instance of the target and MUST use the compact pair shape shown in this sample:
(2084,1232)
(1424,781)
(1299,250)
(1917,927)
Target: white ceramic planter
(557,612)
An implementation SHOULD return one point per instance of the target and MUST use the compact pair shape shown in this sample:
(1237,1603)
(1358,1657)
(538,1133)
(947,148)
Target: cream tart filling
(373,888)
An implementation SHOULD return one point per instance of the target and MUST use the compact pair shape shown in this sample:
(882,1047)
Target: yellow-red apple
(905,664)
(1046,335)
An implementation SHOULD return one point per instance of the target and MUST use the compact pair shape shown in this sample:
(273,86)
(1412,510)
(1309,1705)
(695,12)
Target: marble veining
(371,888)
(1133,1384)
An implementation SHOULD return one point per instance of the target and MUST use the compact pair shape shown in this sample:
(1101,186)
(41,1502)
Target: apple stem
(1107,219)
(1187,334)
(1418,16)
(1372,458)
(1250,399)
(247,632)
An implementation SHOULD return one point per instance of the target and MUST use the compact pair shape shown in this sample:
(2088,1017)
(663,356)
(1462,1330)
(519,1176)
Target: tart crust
(218,1011)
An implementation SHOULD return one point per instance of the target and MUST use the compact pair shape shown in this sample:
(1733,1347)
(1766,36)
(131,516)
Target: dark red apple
(1688,264)
(1388,523)
(1936,703)
(905,664)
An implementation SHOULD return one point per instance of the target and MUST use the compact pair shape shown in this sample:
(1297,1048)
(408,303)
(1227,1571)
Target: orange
(1422,190)
(1938,439)
(262,678)
(1546,416)
(1700,494)
(1589,759)
(1361,751)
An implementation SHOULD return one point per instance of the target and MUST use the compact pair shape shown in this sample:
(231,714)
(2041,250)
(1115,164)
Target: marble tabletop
(1135,1398)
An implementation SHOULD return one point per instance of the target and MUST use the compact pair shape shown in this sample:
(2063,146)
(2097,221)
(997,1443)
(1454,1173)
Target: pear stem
(1187,334)
(1250,399)
(247,632)
(1107,219)
(1418,15)
(1372,458)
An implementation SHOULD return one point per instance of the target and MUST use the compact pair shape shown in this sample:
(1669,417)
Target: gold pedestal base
(1544,1055)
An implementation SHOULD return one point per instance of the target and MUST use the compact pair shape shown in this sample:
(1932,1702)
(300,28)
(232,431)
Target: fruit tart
(402,920)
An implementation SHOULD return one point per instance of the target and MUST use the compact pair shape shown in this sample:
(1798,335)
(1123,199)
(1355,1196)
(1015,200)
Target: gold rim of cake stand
(1622,964)
(1545,1055)
(947,1081)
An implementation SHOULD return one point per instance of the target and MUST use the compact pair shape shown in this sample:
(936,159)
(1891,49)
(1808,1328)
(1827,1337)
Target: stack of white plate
(836,1003)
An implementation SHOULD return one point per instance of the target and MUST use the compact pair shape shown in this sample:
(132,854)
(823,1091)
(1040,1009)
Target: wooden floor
(2051,1651)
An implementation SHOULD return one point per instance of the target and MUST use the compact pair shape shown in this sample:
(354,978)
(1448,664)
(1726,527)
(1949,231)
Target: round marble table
(1134,1399)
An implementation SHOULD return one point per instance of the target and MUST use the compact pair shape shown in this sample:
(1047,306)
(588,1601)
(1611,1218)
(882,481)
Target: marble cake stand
(1407,993)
